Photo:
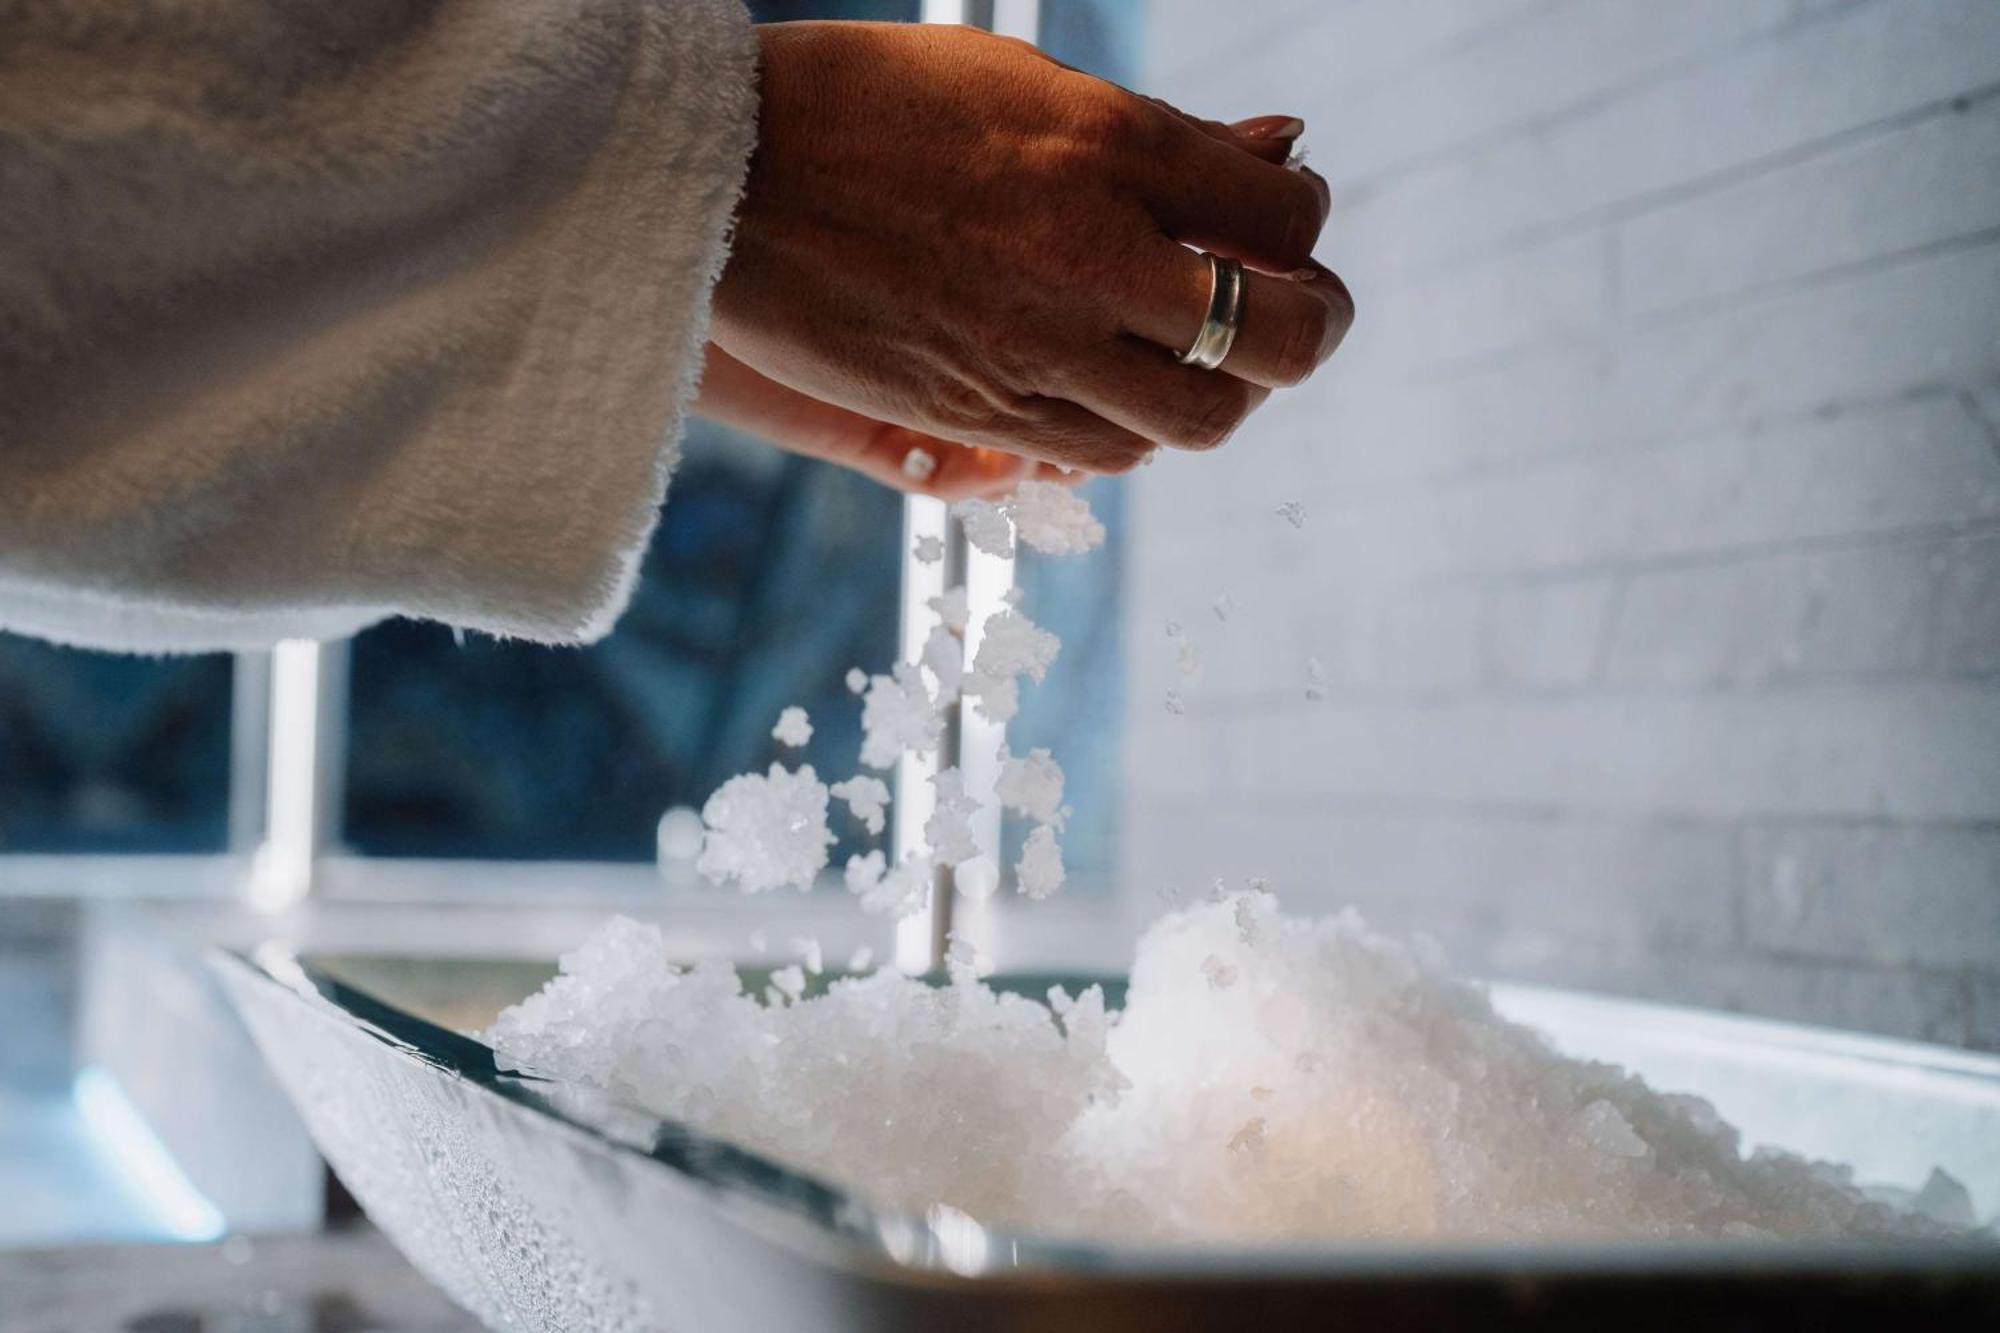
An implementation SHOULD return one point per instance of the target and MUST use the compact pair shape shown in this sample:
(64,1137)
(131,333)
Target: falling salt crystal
(1053,519)
(791,980)
(794,727)
(929,548)
(1250,1138)
(1173,629)
(1031,784)
(897,715)
(976,878)
(860,959)
(810,954)
(1175,704)
(1292,512)
(986,526)
(998,700)
(1039,872)
(1223,605)
(1189,659)
(919,464)
(1315,680)
(766,831)
(1220,974)
(952,608)
(857,680)
(949,828)
(866,797)
(944,657)
(1010,644)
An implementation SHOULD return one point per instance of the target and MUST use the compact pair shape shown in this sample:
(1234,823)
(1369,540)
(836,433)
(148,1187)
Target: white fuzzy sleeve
(317,312)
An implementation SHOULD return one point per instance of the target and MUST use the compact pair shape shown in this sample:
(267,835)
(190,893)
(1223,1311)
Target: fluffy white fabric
(312,314)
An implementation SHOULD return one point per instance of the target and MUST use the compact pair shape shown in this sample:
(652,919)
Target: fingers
(1267,138)
(1142,387)
(1289,326)
(1205,190)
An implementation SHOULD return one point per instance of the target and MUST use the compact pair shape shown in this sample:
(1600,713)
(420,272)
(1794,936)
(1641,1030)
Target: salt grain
(986,526)
(794,728)
(952,607)
(866,797)
(944,657)
(919,464)
(766,832)
(1010,644)
(1031,784)
(1293,513)
(1039,872)
(929,549)
(857,680)
(1053,519)
(897,716)
(948,830)
(1188,659)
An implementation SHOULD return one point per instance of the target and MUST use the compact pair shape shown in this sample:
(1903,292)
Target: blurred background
(1650,508)
(1639,630)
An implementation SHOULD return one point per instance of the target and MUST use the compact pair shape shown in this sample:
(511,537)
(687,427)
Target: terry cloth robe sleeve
(318,311)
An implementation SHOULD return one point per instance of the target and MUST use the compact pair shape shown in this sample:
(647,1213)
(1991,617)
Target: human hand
(948,232)
(735,395)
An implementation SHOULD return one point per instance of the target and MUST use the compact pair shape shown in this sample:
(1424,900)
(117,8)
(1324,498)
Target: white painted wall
(1653,507)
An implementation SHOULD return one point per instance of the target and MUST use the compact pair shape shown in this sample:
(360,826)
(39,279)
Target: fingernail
(1270,127)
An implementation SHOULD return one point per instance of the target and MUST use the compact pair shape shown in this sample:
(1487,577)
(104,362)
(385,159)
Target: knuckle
(1299,355)
(1216,418)
(1119,127)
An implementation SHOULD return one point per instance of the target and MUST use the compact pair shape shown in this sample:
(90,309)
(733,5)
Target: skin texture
(949,239)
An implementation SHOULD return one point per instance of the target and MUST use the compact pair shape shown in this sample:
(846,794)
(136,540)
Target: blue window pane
(768,578)
(107,753)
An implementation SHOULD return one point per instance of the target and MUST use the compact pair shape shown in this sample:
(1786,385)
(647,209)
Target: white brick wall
(1653,539)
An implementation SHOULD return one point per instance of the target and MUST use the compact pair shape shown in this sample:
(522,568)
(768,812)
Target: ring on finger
(1225,315)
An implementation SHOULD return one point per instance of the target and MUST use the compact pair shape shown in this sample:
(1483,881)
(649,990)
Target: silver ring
(1224,317)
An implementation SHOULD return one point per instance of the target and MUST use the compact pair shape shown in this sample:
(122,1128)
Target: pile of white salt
(1270,1079)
